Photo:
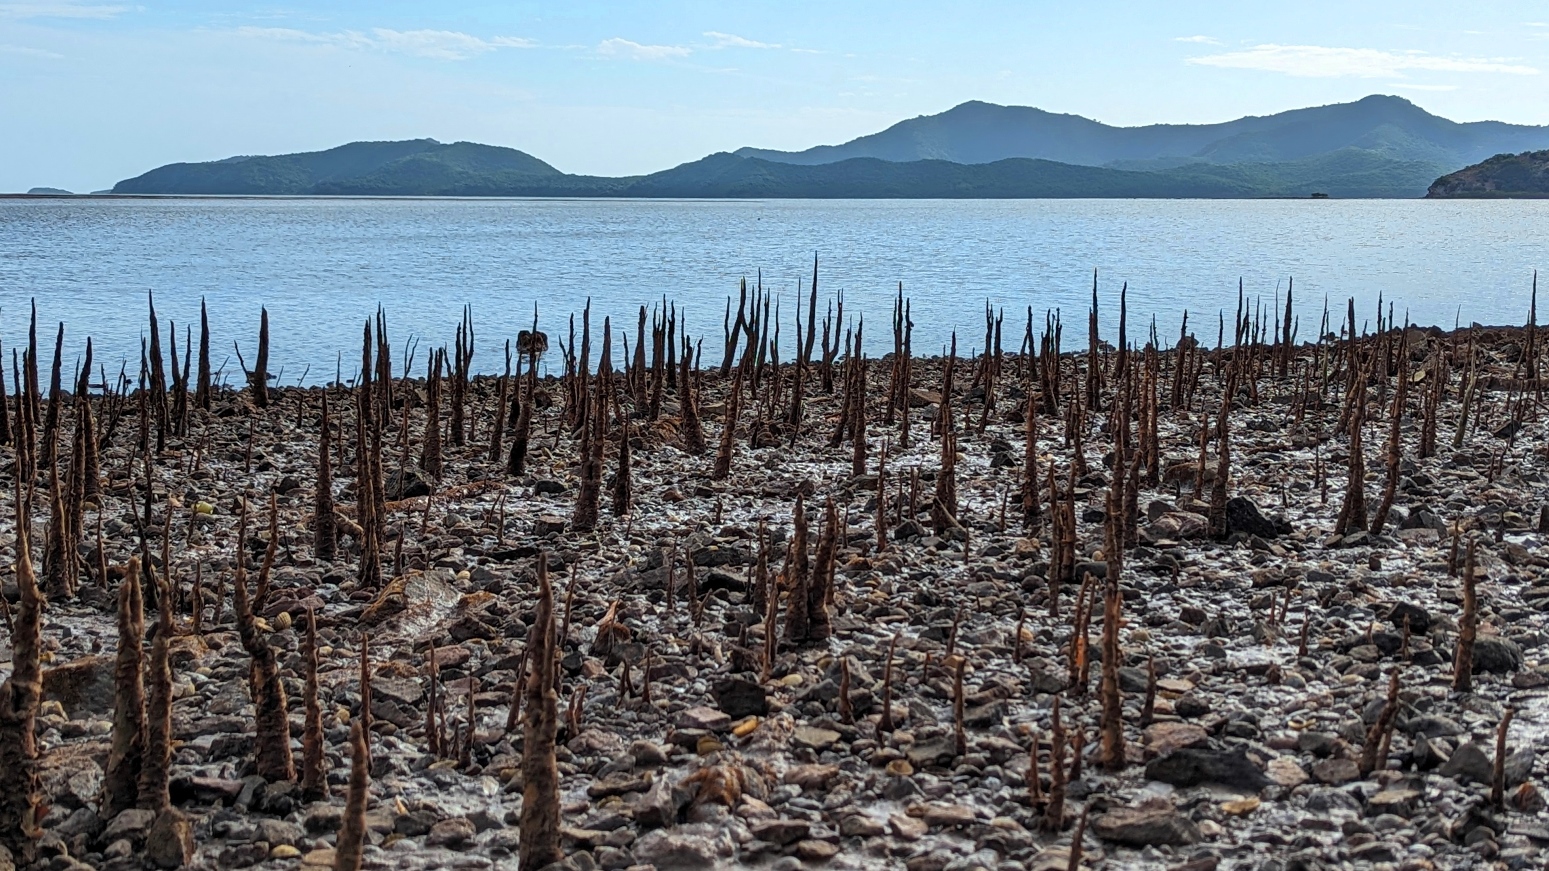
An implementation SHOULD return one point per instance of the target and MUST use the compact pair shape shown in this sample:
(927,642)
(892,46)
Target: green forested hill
(1503,176)
(1376,147)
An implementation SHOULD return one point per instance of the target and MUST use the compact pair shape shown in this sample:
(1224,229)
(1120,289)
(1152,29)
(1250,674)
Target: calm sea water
(322,266)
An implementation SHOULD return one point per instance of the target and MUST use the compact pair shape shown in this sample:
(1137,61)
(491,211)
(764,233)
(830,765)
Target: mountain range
(1375,147)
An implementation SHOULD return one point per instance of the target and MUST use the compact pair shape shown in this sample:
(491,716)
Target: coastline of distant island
(1377,147)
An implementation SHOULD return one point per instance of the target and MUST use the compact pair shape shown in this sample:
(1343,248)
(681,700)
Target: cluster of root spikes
(101,444)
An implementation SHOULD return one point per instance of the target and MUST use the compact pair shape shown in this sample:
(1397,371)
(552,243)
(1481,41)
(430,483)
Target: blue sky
(96,90)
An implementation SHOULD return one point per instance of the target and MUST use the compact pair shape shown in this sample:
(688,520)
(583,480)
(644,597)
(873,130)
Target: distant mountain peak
(980,132)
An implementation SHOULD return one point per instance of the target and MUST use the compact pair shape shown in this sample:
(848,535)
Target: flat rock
(932,751)
(1335,771)
(948,815)
(1146,826)
(781,832)
(703,717)
(1168,737)
(814,737)
(815,776)
(1192,766)
(682,848)
(1400,802)
(816,851)
(1286,771)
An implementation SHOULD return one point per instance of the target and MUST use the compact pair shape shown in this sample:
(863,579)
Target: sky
(95,91)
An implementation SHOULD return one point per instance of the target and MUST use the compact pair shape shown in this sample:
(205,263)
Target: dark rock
(1192,766)
(1419,618)
(1244,516)
(406,483)
(1089,567)
(1326,799)
(82,685)
(1469,763)
(1375,851)
(716,556)
(1424,518)
(1425,755)
(1190,706)
(468,627)
(986,715)
(1317,743)
(1519,766)
(1432,726)
(740,698)
(780,832)
(1132,679)
(1496,655)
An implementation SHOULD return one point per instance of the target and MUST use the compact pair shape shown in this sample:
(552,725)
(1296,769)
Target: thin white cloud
(1316,61)
(1401,86)
(24,51)
(61,10)
(285,34)
(434,44)
(731,40)
(624,48)
(442,44)
(1202,40)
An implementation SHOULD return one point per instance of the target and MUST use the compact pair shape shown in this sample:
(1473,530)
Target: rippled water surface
(322,266)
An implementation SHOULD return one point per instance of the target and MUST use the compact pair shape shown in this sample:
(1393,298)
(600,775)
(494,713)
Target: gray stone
(1244,516)
(703,717)
(454,832)
(693,846)
(132,823)
(739,698)
(780,832)
(170,841)
(1469,763)
(1146,826)
(1192,766)
(1496,655)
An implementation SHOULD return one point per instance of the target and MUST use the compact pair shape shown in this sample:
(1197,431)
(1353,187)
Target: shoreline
(936,588)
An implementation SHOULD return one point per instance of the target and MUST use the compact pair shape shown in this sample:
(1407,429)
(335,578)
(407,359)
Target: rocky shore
(1287,692)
